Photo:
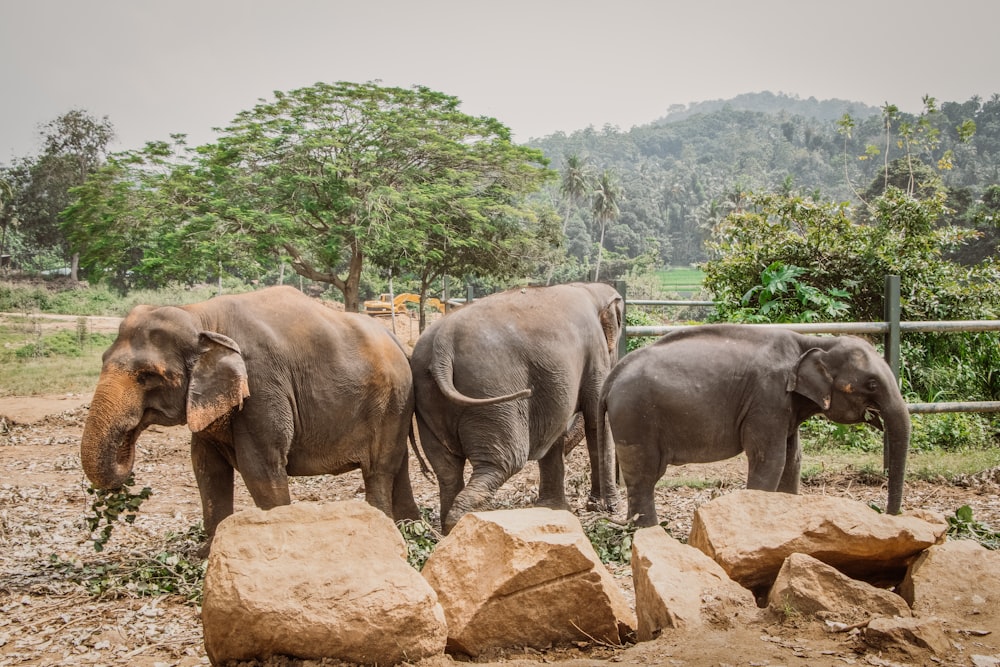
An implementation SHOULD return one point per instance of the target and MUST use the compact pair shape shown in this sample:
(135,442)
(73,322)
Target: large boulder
(751,533)
(525,577)
(679,587)
(811,587)
(960,578)
(316,581)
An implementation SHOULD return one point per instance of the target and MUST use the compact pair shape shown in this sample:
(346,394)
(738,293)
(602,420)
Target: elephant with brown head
(499,381)
(708,393)
(270,383)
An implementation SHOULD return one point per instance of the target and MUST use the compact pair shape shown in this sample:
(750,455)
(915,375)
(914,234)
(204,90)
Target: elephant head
(161,369)
(850,384)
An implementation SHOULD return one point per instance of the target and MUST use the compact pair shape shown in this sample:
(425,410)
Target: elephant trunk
(107,447)
(897,443)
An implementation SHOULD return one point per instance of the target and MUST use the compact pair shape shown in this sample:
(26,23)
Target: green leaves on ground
(612,540)
(963,526)
(108,507)
(174,569)
(421,538)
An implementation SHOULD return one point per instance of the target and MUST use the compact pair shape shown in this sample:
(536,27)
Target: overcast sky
(157,67)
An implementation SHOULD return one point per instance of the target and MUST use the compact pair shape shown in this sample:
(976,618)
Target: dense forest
(682,174)
(297,182)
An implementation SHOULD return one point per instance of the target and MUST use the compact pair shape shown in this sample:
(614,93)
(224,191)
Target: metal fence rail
(890,330)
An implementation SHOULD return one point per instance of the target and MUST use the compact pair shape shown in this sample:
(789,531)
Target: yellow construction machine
(386,306)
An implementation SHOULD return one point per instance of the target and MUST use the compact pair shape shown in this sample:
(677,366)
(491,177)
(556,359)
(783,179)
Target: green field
(681,280)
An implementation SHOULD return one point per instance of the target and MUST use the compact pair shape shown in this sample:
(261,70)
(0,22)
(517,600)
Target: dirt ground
(48,618)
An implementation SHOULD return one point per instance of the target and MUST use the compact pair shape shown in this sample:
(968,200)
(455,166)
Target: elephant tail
(425,469)
(442,372)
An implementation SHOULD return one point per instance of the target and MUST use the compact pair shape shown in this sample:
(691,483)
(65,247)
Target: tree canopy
(74,145)
(333,176)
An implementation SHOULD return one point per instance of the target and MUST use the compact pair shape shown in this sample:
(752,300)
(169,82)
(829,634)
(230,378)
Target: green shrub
(636,317)
(63,344)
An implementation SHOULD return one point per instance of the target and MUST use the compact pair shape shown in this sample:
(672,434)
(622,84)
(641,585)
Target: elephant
(499,381)
(709,392)
(271,383)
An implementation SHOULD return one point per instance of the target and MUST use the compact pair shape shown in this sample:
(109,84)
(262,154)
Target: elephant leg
(448,468)
(404,507)
(640,468)
(766,462)
(261,460)
(600,499)
(486,478)
(214,475)
(792,474)
(386,469)
(551,484)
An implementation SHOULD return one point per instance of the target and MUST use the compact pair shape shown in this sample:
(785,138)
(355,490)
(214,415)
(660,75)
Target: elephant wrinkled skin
(499,381)
(271,383)
(710,392)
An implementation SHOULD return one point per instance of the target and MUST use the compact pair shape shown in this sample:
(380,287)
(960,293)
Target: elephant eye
(146,377)
(872,385)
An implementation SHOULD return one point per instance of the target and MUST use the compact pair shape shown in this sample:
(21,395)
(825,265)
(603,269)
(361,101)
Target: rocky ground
(52,614)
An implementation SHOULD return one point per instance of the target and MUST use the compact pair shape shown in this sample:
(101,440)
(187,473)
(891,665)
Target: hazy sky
(539,66)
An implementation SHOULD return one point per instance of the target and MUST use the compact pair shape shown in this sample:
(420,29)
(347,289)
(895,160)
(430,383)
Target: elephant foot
(553,503)
(203,551)
(595,504)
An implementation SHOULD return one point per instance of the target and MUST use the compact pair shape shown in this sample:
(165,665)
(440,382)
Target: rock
(809,586)
(751,533)
(677,586)
(525,577)
(317,581)
(910,636)
(960,578)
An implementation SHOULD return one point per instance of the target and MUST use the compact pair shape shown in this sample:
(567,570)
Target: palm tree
(577,176)
(607,193)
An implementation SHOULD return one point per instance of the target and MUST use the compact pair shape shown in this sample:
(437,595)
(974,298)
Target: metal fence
(890,330)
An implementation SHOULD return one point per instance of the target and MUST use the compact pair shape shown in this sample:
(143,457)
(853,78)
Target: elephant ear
(218,381)
(812,379)
(611,322)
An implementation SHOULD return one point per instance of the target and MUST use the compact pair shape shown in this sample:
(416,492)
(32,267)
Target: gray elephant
(272,384)
(498,382)
(710,392)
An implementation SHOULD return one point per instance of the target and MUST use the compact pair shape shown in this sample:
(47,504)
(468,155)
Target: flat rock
(315,581)
(525,577)
(679,587)
(751,533)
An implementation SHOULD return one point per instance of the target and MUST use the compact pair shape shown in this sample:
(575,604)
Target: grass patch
(681,279)
(65,361)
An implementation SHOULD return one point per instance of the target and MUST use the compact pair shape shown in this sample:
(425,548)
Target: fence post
(891,307)
(622,339)
(892,313)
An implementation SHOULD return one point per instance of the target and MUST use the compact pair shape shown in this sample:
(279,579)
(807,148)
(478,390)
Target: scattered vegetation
(963,526)
(174,569)
(612,541)
(421,538)
(110,505)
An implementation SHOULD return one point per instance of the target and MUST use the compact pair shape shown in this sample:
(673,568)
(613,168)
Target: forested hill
(768,102)
(681,174)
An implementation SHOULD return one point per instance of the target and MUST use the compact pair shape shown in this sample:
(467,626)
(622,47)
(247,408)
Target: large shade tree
(335,175)
(74,146)
(330,178)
